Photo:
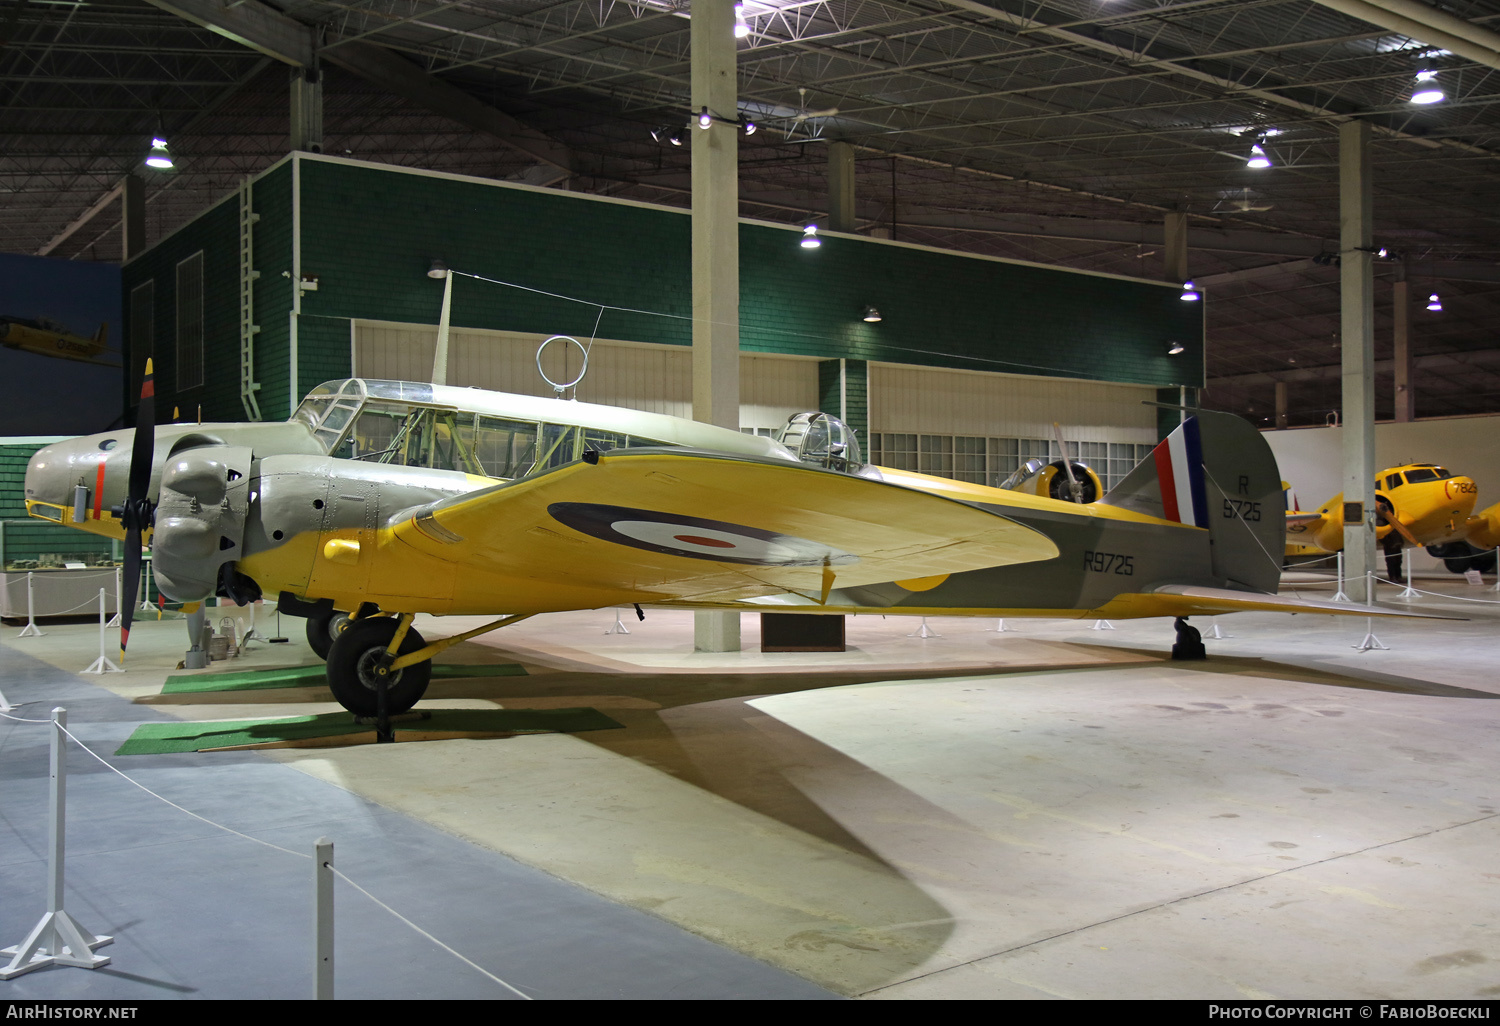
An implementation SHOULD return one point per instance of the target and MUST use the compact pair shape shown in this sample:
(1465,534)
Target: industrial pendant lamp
(741,26)
(1258,157)
(810,238)
(1434,303)
(871,315)
(159,157)
(1189,294)
(1426,88)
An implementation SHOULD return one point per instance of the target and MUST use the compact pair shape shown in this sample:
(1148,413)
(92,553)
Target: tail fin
(101,337)
(1215,471)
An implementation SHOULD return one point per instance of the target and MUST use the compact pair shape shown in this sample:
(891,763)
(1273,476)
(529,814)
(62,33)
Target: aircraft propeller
(1075,490)
(1385,513)
(138,512)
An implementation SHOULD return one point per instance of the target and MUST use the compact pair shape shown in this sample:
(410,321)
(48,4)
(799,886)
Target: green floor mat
(165,738)
(311,676)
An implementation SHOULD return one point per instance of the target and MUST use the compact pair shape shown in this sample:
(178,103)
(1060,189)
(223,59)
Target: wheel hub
(371,670)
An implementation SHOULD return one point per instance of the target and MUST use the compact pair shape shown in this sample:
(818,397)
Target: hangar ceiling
(1059,131)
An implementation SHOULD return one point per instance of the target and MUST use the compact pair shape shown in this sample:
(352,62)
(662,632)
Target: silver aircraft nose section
(78,482)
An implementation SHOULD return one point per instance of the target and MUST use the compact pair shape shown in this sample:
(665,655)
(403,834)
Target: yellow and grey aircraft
(1417,505)
(379,500)
(46,338)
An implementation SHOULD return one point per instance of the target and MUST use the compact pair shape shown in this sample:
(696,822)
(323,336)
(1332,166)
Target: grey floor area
(200,913)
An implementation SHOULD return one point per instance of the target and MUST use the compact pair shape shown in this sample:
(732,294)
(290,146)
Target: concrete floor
(1052,811)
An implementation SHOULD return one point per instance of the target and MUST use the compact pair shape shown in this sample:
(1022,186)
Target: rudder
(1215,471)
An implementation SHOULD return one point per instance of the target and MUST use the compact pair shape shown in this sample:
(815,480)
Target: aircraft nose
(54,472)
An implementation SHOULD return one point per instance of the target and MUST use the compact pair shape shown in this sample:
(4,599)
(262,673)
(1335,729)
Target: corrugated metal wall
(638,376)
(926,400)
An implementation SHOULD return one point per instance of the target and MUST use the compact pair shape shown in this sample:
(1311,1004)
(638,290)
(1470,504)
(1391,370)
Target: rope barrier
(301,855)
(1439,594)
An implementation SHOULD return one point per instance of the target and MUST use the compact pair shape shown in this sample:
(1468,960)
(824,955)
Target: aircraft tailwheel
(322,630)
(355,658)
(1189,642)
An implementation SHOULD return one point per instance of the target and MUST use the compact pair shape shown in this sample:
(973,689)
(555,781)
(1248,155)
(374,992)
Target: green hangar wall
(366,234)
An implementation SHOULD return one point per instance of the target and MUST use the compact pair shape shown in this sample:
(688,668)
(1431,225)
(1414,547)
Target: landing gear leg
(1189,642)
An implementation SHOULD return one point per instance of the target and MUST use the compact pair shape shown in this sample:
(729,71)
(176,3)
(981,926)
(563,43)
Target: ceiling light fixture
(159,157)
(1174,348)
(705,119)
(437,270)
(1189,294)
(871,315)
(741,26)
(1258,157)
(1426,88)
(1434,303)
(748,126)
(810,238)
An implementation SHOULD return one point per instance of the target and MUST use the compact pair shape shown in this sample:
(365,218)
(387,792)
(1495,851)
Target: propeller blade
(137,501)
(1074,489)
(132,583)
(143,449)
(1397,526)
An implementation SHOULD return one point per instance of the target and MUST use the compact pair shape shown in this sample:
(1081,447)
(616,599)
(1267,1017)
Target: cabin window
(190,322)
(1392,481)
(1427,474)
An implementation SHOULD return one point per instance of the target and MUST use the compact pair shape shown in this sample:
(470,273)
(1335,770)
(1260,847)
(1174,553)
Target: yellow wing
(650,525)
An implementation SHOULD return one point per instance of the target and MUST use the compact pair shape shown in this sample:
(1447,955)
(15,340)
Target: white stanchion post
(1497,569)
(1102,625)
(102,664)
(999,627)
(146,606)
(115,620)
(57,939)
(323,919)
(924,631)
(1410,594)
(1339,595)
(619,627)
(1371,641)
(31,630)
(4,705)
(1218,633)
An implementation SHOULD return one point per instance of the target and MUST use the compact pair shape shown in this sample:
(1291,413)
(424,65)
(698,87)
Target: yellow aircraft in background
(1417,505)
(48,338)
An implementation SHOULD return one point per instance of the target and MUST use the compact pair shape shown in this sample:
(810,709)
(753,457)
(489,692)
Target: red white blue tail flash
(1179,467)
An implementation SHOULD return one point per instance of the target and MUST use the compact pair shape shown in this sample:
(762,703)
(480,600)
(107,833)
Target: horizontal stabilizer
(1208,601)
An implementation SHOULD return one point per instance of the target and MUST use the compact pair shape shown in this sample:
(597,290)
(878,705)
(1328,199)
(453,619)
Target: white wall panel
(635,375)
(926,400)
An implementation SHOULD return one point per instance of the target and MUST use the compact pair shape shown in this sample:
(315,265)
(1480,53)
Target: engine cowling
(200,519)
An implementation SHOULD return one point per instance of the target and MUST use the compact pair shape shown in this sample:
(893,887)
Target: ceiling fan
(1242,201)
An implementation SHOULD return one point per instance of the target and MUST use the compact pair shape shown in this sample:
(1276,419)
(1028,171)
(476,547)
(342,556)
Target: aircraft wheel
(354,657)
(1456,566)
(322,630)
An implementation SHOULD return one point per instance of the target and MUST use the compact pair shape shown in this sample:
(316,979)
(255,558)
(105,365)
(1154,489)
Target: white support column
(840,187)
(1357,288)
(1401,349)
(306,103)
(716,254)
(1174,248)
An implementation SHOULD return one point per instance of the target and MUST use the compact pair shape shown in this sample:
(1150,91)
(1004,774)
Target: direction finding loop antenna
(556,387)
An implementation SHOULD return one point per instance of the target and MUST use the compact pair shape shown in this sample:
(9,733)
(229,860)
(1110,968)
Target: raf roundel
(696,537)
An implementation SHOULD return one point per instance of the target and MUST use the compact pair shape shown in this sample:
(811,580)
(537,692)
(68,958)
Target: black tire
(1456,566)
(352,661)
(321,630)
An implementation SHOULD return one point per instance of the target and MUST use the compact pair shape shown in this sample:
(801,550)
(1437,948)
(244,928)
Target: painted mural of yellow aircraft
(384,499)
(47,338)
(1417,505)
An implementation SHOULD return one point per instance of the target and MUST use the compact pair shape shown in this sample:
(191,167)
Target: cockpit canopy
(398,422)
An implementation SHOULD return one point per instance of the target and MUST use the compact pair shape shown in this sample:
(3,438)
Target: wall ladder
(248,328)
